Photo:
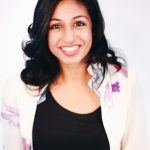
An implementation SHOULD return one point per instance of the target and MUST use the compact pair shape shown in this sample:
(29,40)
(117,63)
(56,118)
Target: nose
(68,36)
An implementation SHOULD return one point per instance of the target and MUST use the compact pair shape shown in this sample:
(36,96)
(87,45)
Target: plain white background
(127,29)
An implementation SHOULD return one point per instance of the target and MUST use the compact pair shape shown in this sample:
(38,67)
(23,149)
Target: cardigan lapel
(27,114)
(104,89)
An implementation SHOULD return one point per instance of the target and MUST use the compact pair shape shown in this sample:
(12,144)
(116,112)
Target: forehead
(67,9)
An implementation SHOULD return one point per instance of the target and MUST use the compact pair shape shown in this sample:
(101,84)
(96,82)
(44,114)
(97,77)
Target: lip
(71,53)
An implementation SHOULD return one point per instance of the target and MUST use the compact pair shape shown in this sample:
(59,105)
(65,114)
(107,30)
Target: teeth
(70,49)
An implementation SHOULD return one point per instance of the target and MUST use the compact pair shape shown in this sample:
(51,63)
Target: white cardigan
(122,110)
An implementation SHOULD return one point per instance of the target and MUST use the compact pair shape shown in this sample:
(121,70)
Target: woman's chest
(81,100)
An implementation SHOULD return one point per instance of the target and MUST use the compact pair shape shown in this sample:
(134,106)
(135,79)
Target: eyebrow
(56,19)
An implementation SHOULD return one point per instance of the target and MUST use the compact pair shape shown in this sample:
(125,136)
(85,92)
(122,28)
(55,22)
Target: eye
(80,23)
(55,26)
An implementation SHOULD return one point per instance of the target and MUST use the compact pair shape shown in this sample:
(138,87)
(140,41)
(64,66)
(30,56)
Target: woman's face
(70,34)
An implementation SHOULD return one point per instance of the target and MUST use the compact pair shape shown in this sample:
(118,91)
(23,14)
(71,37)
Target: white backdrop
(127,29)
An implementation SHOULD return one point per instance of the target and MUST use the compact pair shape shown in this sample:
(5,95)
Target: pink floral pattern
(26,146)
(115,87)
(123,70)
(107,95)
(11,115)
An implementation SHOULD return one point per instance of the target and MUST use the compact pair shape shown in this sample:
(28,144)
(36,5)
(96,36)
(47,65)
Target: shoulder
(15,85)
(126,72)
(15,91)
(122,81)
(13,79)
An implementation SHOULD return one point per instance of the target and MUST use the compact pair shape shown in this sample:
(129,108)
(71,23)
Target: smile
(70,51)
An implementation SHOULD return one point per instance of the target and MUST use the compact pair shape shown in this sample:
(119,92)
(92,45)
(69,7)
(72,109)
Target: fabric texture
(121,106)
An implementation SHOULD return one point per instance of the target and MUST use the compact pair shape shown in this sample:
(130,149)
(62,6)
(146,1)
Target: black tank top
(56,128)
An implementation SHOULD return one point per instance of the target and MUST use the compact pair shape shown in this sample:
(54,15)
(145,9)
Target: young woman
(73,94)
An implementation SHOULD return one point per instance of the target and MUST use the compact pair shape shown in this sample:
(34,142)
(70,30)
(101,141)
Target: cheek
(52,41)
(87,36)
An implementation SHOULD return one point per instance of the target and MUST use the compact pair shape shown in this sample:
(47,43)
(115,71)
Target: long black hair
(42,66)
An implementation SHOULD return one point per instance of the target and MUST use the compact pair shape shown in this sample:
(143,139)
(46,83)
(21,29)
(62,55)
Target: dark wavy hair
(42,66)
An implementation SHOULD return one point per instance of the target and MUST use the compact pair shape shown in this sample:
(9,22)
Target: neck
(74,74)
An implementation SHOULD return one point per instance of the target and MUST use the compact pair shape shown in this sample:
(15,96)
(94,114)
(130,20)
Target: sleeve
(135,137)
(10,118)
